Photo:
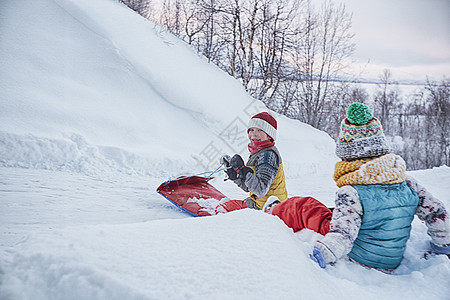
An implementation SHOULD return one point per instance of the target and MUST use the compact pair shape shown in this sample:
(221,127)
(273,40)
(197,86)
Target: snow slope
(98,107)
(91,76)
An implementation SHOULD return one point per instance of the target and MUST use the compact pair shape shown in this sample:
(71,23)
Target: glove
(317,257)
(250,203)
(232,174)
(237,163)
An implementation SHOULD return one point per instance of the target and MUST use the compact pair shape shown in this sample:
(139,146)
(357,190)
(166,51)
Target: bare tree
(170,16)
(142,7)
(276,33)
(195,21)
(387,100)
(438,121)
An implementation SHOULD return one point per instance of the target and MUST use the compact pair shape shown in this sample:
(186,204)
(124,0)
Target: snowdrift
(92,86)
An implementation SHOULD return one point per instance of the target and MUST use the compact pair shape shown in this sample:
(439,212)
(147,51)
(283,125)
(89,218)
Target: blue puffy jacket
(386,224)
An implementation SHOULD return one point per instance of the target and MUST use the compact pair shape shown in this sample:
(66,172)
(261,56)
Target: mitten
(317,256)
(440,250)
(237,163)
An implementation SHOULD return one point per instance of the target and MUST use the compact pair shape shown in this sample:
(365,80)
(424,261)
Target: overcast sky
(409,37)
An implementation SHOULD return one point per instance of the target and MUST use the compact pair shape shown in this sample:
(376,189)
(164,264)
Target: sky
(409,37)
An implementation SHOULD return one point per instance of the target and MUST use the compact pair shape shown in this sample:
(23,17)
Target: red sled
(193,194)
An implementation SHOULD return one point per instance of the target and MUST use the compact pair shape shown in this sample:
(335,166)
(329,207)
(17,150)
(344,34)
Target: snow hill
(98,107)
(115,86)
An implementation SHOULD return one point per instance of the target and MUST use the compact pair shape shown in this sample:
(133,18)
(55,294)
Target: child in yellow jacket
(263,175)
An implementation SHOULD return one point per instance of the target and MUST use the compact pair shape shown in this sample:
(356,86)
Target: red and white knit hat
(265,122)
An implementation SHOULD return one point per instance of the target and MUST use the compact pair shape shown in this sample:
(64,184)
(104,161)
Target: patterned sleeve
(344,225)
(240,183)
(433,213)
(265,170)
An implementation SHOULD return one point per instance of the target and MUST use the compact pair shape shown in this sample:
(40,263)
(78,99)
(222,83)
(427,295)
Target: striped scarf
(386,169)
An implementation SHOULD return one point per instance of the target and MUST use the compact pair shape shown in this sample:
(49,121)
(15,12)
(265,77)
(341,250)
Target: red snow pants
(304,212)
(296,212)
(231,205)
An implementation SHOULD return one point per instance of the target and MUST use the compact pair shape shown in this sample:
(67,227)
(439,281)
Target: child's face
(257,135)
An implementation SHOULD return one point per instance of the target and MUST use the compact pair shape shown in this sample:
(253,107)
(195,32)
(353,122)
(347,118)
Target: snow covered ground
(98,107)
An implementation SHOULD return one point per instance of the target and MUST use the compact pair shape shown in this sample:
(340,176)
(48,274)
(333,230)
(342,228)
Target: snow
(98,108)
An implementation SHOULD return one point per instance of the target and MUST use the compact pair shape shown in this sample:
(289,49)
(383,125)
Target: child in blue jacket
(376,201)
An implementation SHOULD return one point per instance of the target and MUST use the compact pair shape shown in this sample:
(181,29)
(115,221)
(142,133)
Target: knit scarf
(386,169)
(254,147)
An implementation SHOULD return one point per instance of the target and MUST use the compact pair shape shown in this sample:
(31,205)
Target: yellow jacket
(278,186)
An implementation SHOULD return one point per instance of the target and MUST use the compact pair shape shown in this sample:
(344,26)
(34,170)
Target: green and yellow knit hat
(361,134)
